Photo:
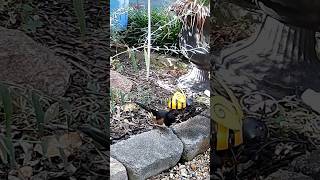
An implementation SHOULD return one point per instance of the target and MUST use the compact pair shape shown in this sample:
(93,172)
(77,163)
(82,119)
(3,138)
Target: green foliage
(118,97)
(165,28)
(80,13)
(7,106)
(134,61)
(204,2)
(22,14)
(30,21)
(38,112)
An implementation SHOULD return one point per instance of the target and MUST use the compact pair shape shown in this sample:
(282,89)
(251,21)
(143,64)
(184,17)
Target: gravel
(197,169)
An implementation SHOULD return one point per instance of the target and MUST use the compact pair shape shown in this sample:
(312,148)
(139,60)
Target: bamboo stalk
(149,38)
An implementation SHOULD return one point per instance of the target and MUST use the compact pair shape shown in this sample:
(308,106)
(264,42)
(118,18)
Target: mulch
(54,25)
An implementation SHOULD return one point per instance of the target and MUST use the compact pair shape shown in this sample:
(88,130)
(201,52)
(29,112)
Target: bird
(162,117)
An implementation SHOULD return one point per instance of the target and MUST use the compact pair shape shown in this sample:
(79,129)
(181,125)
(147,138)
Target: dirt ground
(294,129)
(127,118)
(54,25)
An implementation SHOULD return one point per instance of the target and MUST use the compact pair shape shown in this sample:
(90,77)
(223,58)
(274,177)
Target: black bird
(162,116)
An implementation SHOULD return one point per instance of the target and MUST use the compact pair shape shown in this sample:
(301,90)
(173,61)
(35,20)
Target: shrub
(165,28)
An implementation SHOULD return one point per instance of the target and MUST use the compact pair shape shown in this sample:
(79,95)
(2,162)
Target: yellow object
(224,139)
(223,112)
(177,101)
(228,115)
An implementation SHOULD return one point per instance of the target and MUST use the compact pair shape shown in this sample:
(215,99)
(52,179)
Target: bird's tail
(153,111)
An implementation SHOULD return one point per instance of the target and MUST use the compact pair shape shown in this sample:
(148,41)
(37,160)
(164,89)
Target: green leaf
(66,106)
(32,24)
(68,109)
(38,112)
(80,13)
(7,102)
(7,106)
(44,145)
(134,61)
(26,8)
(9,145)
(3,150)
(93,86)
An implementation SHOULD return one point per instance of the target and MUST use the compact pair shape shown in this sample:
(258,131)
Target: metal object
(280,59)
(254,131)
(196,48)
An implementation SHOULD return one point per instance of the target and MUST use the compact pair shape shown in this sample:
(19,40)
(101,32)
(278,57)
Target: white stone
(117,170)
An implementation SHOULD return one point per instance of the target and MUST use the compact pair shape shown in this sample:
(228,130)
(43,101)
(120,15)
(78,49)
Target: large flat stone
(287,175)
(149,153)
(311,98)
(117,170)
(195,135)
(28,64)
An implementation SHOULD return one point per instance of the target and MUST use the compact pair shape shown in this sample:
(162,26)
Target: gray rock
(149,153)
(308,164)
(195,135)
(206,113)
(117,170)
(287,175)
(311,98)
(26,63)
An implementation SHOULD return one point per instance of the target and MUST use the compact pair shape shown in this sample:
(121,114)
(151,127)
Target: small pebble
(193,167)
(198,168)
(171,175)
(183,172)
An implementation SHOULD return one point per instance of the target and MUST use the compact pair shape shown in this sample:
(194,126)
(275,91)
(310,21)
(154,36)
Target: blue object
(119,14)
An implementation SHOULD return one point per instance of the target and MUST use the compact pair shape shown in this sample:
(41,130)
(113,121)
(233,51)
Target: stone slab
(149,153)
(117,170)
(195,135)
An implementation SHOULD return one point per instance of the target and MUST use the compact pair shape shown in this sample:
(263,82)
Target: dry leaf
(68,142)
(27,149)
(11,177)
(40,176)
(25,172)
(130,107)
(52,147)
(70,168)
(52,112)
(193,167)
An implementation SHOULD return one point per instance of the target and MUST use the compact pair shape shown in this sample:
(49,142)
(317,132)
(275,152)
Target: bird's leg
(158,125)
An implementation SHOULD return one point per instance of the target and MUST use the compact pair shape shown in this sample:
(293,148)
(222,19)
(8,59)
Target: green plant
(39,119)
(118,97)
(80,14)
(7,106)
(30,20)
(38,112)
(165,28)
(134,62)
